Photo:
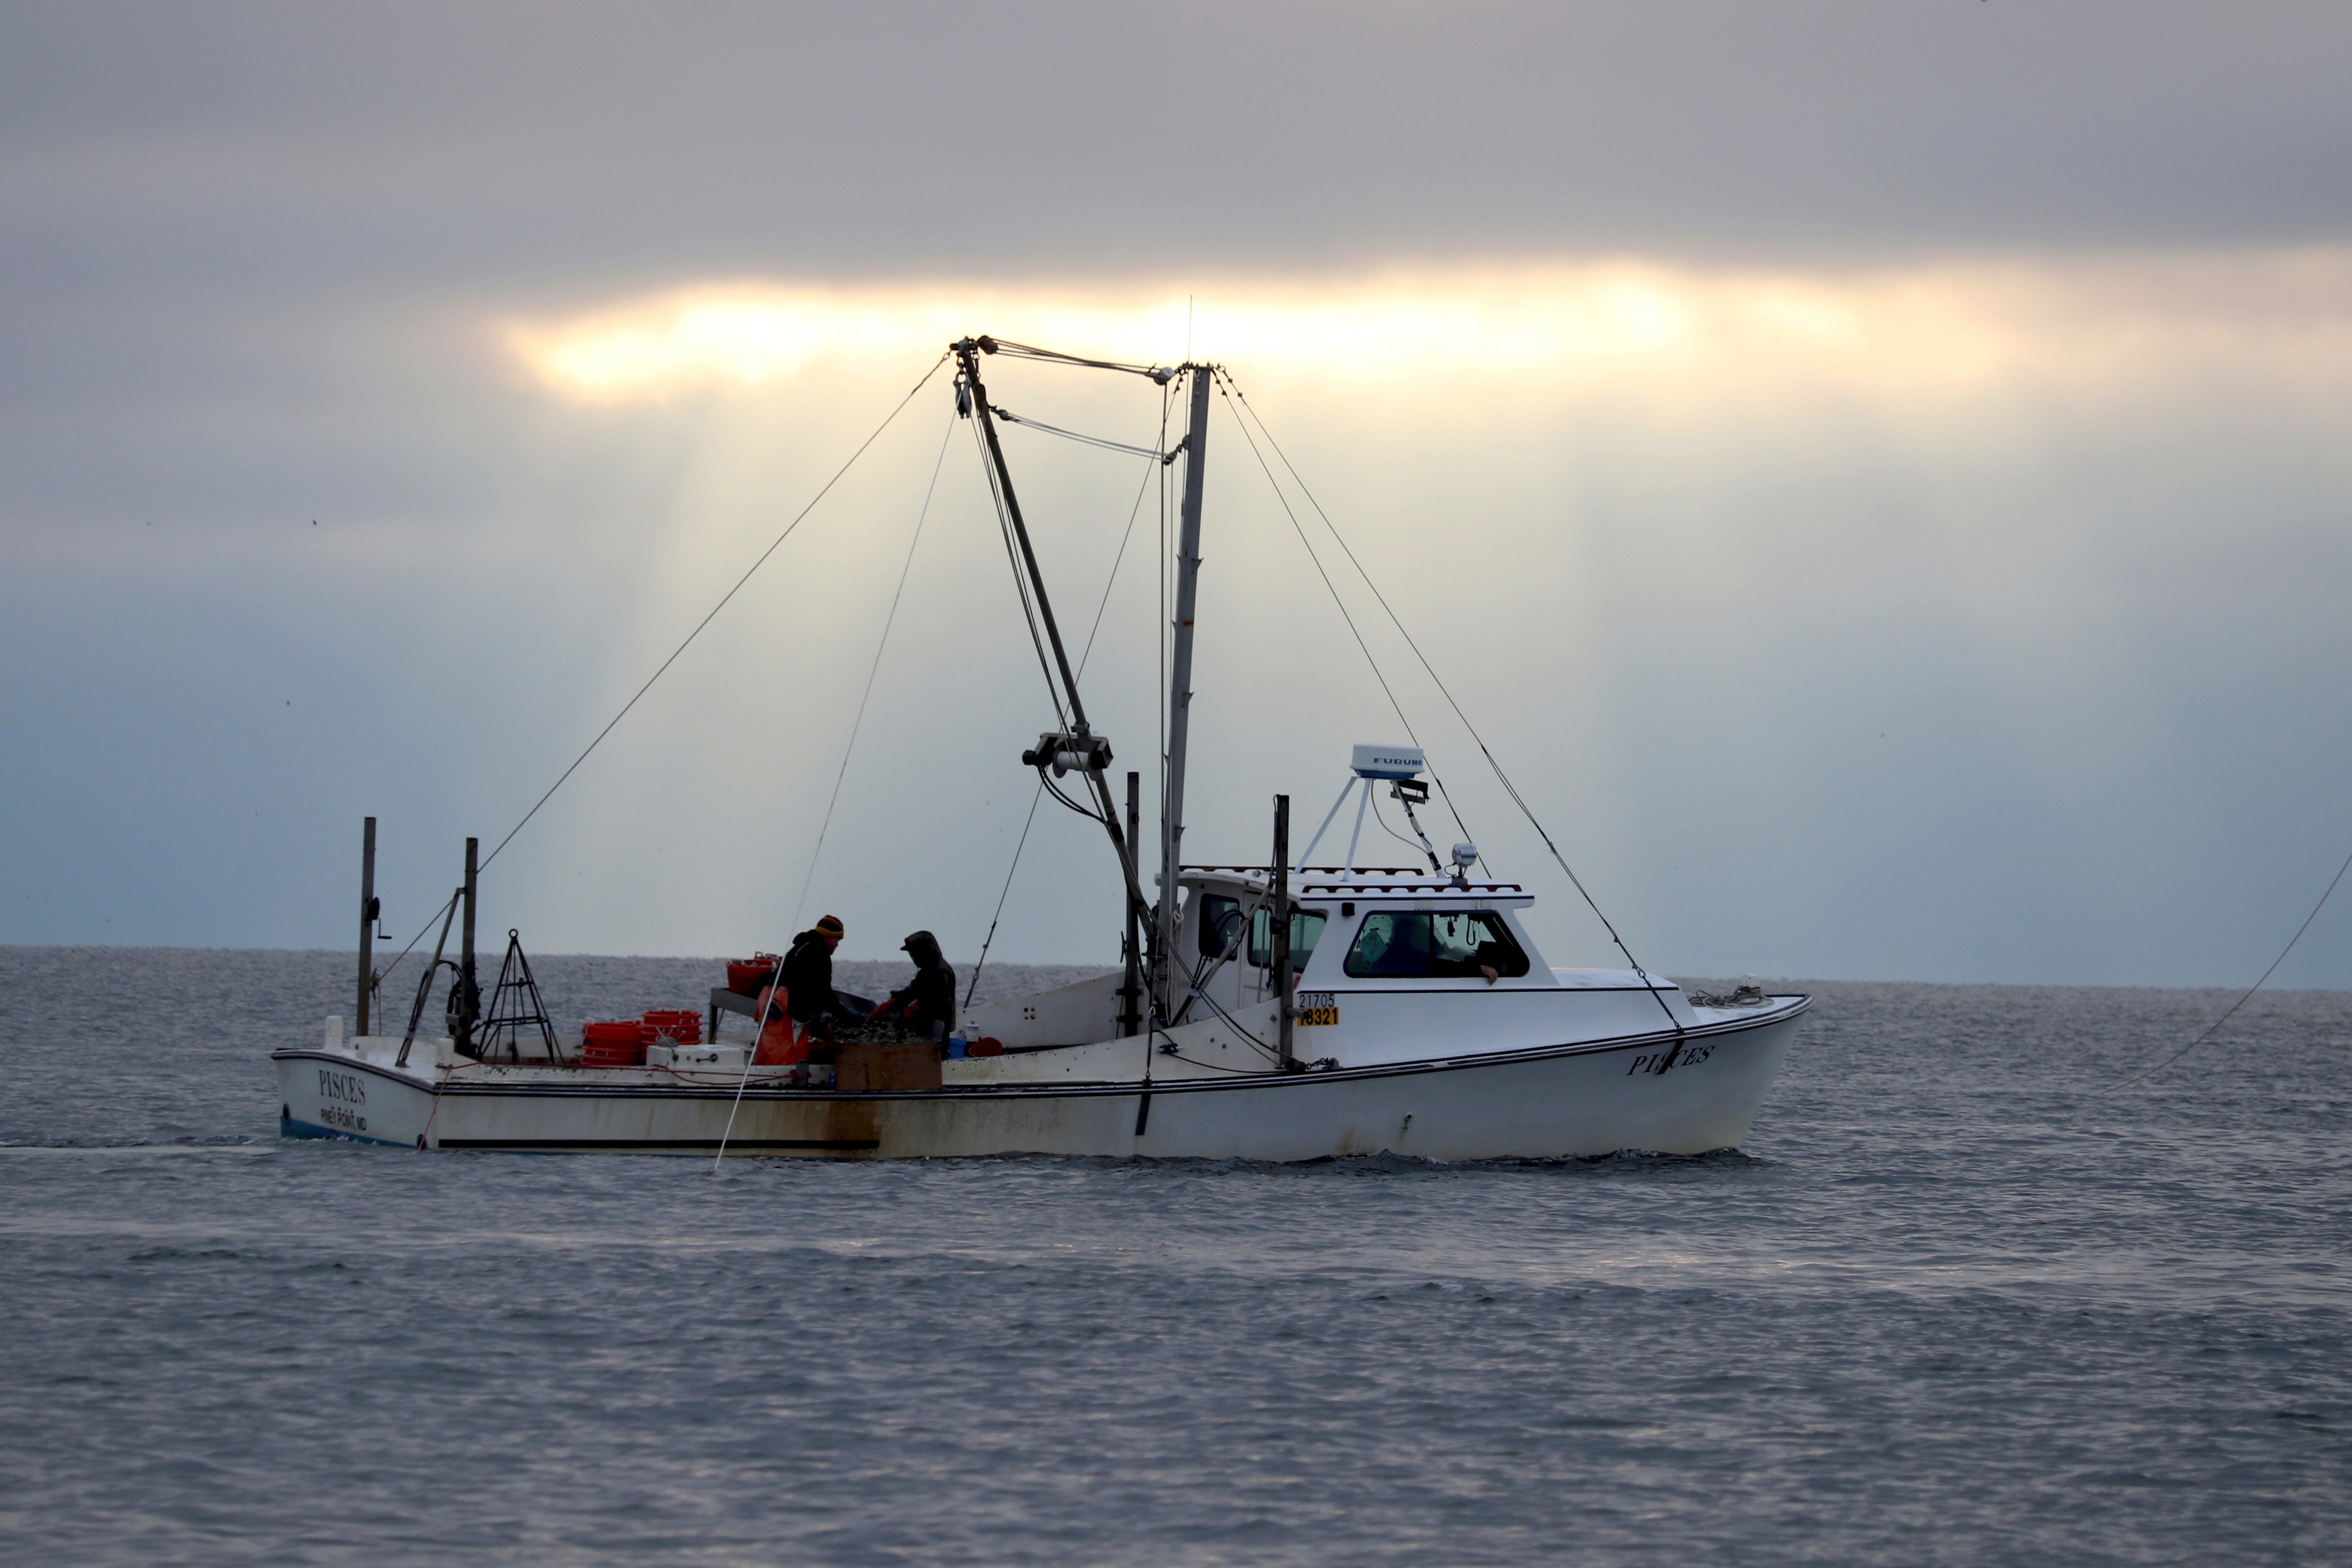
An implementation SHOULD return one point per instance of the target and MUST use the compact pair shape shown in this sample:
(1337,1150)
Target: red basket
(612,1044)
(678,1024)
(986,1046)
(746,975)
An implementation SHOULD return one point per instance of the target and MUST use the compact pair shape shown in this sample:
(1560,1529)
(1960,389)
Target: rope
(751,1055)
(386,972)
(1003,893)
(706,620)
(859,722)
(1020,578)
(1024,351)
(1012,418)
(1087,652)
(1089,813)
(1414,845)
(1333,590)
(1504,779)
(1214,1067)
(1132,513)
(2257,985)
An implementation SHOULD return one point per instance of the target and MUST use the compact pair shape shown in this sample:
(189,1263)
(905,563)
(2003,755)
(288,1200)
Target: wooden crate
(886,1065)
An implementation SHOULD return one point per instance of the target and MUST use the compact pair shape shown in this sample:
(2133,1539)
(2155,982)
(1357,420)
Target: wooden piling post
(1280,920)
(367,922)
(469,994)
(1130,1010)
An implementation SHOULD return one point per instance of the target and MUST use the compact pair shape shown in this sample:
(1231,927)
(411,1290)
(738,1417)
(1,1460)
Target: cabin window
(1400,944)
(1221,917)
(1305,930)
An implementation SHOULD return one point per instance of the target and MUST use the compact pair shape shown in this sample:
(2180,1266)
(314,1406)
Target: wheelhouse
(1369,929)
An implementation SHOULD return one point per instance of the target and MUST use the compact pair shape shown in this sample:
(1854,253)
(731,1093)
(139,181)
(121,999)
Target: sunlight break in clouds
(1950,328)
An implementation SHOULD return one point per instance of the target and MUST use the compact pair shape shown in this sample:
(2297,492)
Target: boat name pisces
(341,1086)
(1687,1056)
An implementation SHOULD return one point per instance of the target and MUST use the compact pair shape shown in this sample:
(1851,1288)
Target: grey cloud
(470,143)
(245,253)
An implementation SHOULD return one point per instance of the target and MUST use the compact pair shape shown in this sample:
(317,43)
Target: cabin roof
(1363,882)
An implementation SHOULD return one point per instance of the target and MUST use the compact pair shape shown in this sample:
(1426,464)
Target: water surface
(1950,1304)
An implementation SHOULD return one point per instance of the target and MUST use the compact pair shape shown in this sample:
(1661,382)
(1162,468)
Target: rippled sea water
(1950,1304)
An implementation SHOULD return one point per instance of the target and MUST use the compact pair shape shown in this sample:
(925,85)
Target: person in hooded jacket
(926,1003)
(808,974)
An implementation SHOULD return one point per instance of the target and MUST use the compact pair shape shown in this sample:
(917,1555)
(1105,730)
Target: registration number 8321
(1318,1008)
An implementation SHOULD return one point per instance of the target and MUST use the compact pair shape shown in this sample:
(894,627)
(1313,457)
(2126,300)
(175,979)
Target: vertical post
(469,996)
(1281,931)
(1352,839)
(1130,1009)
(1180,692)
(367,921)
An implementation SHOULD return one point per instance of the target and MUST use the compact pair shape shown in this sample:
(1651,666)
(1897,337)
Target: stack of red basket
(680,1025)
(612,1044)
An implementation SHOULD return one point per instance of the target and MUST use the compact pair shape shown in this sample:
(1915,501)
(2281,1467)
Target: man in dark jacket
(808,974)
(926,1003)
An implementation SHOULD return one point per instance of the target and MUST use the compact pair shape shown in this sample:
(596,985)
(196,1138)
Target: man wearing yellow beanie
(808,974)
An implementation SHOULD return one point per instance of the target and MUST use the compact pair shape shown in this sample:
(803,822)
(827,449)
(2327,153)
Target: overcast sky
(1876,475)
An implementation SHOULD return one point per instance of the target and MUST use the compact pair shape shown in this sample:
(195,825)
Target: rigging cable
(1089,813)
(1210,964)
(1132,513)
(2257,985)
(386,972)
(1084,654)
(1003,893)
(800,516)
(1418,848)
(1020,580)
(801,905)
(751,1055)
(1213,1067)
(1012,418)
(1024,351)
(706,620)
(1333,590)
(1504,779)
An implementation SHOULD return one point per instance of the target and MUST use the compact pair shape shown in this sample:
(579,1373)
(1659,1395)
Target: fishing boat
(1281,1011)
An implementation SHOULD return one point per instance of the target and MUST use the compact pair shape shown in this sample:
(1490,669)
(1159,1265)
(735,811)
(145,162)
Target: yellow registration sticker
(1318,1007)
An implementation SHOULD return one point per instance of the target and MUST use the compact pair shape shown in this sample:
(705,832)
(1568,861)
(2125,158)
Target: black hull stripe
(845,1145)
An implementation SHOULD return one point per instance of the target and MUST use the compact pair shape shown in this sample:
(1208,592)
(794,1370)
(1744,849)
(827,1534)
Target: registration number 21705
(1318,1007)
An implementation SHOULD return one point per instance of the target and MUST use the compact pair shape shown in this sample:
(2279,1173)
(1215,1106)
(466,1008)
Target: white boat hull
(1654,1091)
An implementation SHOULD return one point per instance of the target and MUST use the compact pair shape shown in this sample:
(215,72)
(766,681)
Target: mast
(1180,685)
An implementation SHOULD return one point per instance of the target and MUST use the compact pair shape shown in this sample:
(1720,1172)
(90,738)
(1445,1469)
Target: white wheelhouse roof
(1362,885)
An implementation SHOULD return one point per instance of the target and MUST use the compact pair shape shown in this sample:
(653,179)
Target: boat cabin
(1367,929)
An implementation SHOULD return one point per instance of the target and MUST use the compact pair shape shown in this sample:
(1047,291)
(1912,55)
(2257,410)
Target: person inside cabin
(926,1003)
(1465,945)
(808,979)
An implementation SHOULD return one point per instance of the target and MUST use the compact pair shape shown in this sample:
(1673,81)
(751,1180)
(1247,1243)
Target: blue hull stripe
(289,1128)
